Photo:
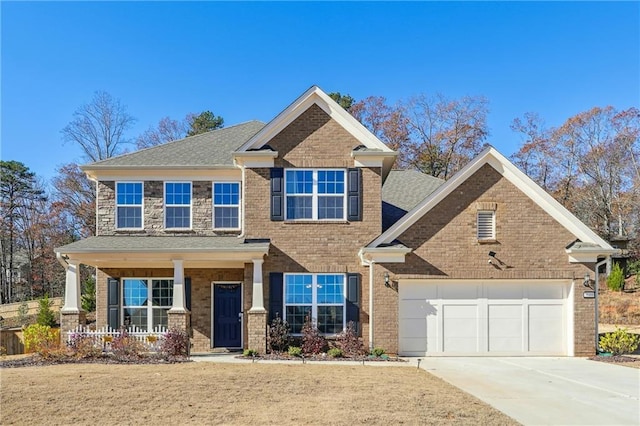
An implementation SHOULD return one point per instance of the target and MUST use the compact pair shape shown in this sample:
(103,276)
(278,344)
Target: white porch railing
(105,336)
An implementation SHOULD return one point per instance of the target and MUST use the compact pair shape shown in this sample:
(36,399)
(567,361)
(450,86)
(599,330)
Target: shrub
(46,316)
(125,346)
(175,343)
(41,339)
(349,342)
(23,313)
(312,341)
(615,280)
(84,346)
(377,352)
(89,295)
(620,342)
(335,353)
(279,336)
(295,351)
(250,352)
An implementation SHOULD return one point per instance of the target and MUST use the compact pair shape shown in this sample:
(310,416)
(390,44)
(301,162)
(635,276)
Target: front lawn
(210,393)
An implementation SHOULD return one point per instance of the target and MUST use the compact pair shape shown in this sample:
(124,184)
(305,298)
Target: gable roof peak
(315,96)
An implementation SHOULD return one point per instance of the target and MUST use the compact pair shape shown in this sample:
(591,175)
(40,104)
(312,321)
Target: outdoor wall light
(386,280)
(587,280)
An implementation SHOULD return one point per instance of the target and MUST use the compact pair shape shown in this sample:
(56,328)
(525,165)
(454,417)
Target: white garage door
(483,318)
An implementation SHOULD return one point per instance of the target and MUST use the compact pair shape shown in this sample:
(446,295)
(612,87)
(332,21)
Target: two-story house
(220,232)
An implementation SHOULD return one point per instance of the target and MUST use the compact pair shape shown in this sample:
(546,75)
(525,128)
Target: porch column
(72,289)
(178,287)
(257,301)
(71,314)
(257,315)
(178,316)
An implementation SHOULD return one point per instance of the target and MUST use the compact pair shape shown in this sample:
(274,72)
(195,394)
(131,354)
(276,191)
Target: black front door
(227,315)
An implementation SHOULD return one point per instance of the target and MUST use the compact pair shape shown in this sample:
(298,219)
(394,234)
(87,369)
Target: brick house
(220,232)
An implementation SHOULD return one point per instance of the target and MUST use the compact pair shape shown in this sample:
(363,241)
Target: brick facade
(529,241)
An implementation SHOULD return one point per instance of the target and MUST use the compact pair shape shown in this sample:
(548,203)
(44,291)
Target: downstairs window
(146,301)
(319,296)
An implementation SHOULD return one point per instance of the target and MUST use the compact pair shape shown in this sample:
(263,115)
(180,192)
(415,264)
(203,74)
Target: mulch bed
(320,357)
(614,358)
(38,361)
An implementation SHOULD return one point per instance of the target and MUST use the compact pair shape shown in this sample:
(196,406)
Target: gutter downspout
(242,204)
(597,289)
(370,264)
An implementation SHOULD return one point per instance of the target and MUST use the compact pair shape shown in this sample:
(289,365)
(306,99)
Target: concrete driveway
(547,391)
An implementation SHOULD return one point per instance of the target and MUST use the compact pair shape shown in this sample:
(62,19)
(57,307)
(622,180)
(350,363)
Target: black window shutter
(187,293)
(113,303)
(277,194)
(354,194)
(276,284)
(353,300)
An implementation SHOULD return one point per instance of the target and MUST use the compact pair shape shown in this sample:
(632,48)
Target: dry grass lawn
(209,393)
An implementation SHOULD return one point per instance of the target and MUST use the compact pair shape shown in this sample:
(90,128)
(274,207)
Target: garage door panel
(458,291)
(505,328)
(545,336)
(545,291)
(418,309)
(502,292)
(460,328)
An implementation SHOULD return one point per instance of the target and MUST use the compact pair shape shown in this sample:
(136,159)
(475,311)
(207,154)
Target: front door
(227,315)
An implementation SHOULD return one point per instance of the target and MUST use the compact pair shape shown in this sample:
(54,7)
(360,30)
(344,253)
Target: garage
(490,317)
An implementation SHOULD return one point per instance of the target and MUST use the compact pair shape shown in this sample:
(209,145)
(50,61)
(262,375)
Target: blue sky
(247,61)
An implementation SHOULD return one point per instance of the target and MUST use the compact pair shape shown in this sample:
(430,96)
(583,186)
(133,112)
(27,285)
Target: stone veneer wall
(153,206)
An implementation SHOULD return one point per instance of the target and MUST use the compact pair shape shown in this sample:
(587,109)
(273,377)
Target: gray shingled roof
(402,191)
(187,243)
(213,148)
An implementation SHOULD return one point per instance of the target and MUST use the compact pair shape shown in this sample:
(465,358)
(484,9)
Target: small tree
(89,296)
(46,316)
(23,313)
(615,280)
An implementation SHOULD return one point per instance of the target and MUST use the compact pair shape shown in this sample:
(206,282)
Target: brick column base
(69,321)
(257,330)
(180,320)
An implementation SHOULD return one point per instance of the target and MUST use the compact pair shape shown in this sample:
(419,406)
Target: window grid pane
(319,295)
(315,194)
(330,319)
(226,205)
(129,204)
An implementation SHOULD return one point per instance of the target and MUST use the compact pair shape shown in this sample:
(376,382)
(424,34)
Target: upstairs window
(129,205)
(177,201)
(315,194)
(486,225)
(226,205)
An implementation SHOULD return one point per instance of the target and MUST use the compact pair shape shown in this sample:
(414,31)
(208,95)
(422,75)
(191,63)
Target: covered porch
(185,277)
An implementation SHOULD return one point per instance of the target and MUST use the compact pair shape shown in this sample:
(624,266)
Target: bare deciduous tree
(99,127)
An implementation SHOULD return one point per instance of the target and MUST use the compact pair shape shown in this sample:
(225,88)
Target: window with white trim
(320,296)
(177,202)
(226,205)
(146,301)
(129,197)
(318,194)
(486,225)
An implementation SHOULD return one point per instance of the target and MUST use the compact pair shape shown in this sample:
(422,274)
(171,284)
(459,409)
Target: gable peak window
(177,202)
(129,197)
(315,194)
